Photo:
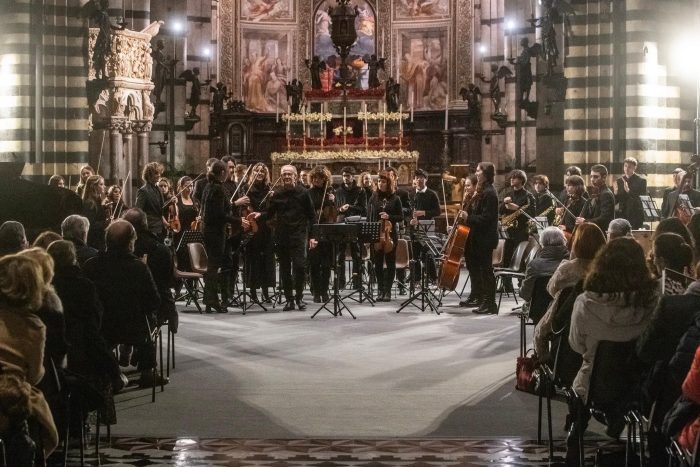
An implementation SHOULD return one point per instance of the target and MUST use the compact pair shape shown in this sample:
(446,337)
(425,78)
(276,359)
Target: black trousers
(215,246)
(480,267)
(291,252)
(385,268)
(356,254)
(320,259)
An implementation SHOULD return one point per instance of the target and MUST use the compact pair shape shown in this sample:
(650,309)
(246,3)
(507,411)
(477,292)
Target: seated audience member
(587,240)
(546,262)
(74,228)
(670,251)
(12,238)
(160,262)
(675,225)
(23,335)
(45,239)
(616,305)
(694,229)
(128,294)
(619,228)
(18,447)
(688,436)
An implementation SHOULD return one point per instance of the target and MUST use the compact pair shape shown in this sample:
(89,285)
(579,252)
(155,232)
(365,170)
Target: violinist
(425,205)
(571,170)
(350,200)
(575,201)
(290,207)
(96,212)
(234,236)
(216,213)
(259,252)
(628,189)
(150,199)
(323,199)
(170,214)
(480,214)
(385,206)
(518,230)
(115,201)
(600,208)
(685,188)
(406,207)
(367,184)
(85,172)
(187,211)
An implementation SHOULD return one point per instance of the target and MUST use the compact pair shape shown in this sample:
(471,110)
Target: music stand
(369,233)
(190,236)
(651,212)
(336,234)
(425,294)
(243,294)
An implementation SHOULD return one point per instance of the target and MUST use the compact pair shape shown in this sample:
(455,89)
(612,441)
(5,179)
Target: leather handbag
(527,373)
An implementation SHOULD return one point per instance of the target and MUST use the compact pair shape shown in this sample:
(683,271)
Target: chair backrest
(198,256)
(402,254)
(516,261)
(614,373)
(533,248)
(561,317)
(497,257)
(540,299)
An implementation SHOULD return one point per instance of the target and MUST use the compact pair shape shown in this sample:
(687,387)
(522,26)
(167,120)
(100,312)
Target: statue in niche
(103,43)
(472,94)
(497,73)
(523,69)
(315,66)
(192,76)
(391,92)
(161,73)
(295,91)
(552,14)
(375,64)
(219,97)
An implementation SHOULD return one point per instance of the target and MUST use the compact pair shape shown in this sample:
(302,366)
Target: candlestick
(288,126)
(303,126)
(345,132)
(277,109)
(364,125)
(401,119)
(382,56)
(308,45)
(384,127)
(447,112)
(411,99)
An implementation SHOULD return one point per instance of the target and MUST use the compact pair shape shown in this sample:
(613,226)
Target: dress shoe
(301,304)
(471,302)
(289,306)
(325,298)
(147,380)
(119,384)
(487,309)
(317,299)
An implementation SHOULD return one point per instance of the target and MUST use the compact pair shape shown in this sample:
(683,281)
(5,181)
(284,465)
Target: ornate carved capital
(141,126)
(119,125)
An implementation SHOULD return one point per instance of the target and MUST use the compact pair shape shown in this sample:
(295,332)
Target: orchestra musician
(385,206)
(600,207)
(229,268)
(480,213)
(367,184)
(259,251)
(685,188)
(240,171)
(304,179)
(150,199)
(406,207)
(96,212)
(666,210)
(115,201)
(628,189)
(351,200)
(575,201)
(425,205)
(291,209)
(187,210)
(57,181)
(323,199)
(571,170)
(202,182)
(216,213)
(518,231)
(545,204)
(85,172)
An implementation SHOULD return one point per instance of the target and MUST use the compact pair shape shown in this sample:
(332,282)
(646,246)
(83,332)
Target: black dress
(390,204)
(260,252)
(95,213)
(187,213)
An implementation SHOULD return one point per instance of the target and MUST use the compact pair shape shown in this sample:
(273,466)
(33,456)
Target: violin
(173,219)
(328,213)
(385,243)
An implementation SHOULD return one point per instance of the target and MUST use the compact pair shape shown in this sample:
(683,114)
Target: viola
(385,243)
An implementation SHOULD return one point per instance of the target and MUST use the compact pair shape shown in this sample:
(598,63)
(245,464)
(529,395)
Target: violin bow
(323,200)
(444,199)
(271,188)
(121,198)
(257,171)
(556,200)
(99,160)
(240,184)
(183,189)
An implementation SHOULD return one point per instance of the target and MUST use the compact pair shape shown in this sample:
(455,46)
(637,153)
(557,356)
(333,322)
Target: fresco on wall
(420,9)
(365,24)
(423,68)
(265,59)
(267,10)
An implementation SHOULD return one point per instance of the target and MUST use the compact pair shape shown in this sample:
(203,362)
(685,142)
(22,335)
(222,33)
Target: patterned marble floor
(424,452)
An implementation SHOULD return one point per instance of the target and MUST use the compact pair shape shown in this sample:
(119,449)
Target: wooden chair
(198,257)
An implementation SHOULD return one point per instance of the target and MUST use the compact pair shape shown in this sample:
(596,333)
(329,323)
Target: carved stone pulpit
(120,105)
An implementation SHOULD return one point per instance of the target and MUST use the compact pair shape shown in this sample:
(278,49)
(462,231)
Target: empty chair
(198,257)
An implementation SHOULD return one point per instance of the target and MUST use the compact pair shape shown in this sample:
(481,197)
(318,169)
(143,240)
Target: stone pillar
(143,132)
(116,125)
(127,134)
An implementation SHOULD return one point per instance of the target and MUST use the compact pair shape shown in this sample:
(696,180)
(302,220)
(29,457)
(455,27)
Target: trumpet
(511,220)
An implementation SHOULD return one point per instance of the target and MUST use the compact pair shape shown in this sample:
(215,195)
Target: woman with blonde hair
(23,335)
(94,210)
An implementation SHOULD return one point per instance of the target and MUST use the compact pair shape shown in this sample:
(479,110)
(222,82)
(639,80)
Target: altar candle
(382,56)
(401,119)
(345,133)
(308,45)
(447,112)
(411,101)
(277,109)
(288,128)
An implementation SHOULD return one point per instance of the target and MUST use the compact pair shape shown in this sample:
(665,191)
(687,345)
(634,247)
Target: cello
(453,252)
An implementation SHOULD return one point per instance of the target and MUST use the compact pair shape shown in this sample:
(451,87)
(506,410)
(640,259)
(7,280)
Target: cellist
(320,258)
(385,206)
(481,215)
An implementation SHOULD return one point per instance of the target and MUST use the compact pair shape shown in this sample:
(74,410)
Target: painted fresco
(422,68)
(267,10)
(265,70)
(365,24)
(405,10)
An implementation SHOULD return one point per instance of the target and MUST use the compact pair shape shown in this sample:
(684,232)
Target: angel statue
(494,86)
(391,92)
(195,91)
(294,92)
(472,94)
(553,10)
(315,66)
(375,64)
(219,97)
(523,70)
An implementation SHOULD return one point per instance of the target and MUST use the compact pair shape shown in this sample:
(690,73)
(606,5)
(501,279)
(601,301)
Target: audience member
(694,229)
(74,228)
(18,448)
(688,436)
(128,294)
(587,240)
(12,238)
(675,225)
(619,228)
(23,335)
(45,239)
(670,251)
(57,181)
(546,262)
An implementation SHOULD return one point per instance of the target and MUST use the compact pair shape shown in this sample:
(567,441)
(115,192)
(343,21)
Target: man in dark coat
(351,200)
(600,208)
(128,294)
(74,228)
(150,199)
(677,177)
(628,189)
(424,206)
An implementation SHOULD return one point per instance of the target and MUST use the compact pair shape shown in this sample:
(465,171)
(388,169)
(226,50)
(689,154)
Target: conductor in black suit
(425,205)
(600,208)
(628,189)
(482,218)
(150,200)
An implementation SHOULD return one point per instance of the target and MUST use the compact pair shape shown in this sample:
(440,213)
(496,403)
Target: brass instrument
(531,222)
(511,220)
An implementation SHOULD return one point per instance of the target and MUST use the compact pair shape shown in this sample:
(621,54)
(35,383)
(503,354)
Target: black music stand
(336,234)
(425,293)
(651,212)
(369,233)
(190,236)
(243,294)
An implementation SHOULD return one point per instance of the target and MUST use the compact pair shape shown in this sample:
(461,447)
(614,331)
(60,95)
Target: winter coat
(602,317)
(545,264)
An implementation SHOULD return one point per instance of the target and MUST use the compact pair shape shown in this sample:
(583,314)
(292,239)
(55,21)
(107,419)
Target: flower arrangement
(352,92)
(388,142)
(310,117)
(345,155)
(340,130)
(389,116)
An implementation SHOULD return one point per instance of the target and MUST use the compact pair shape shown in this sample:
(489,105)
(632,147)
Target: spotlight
(510,25)
(206,52)
(177,26)
(482,49)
